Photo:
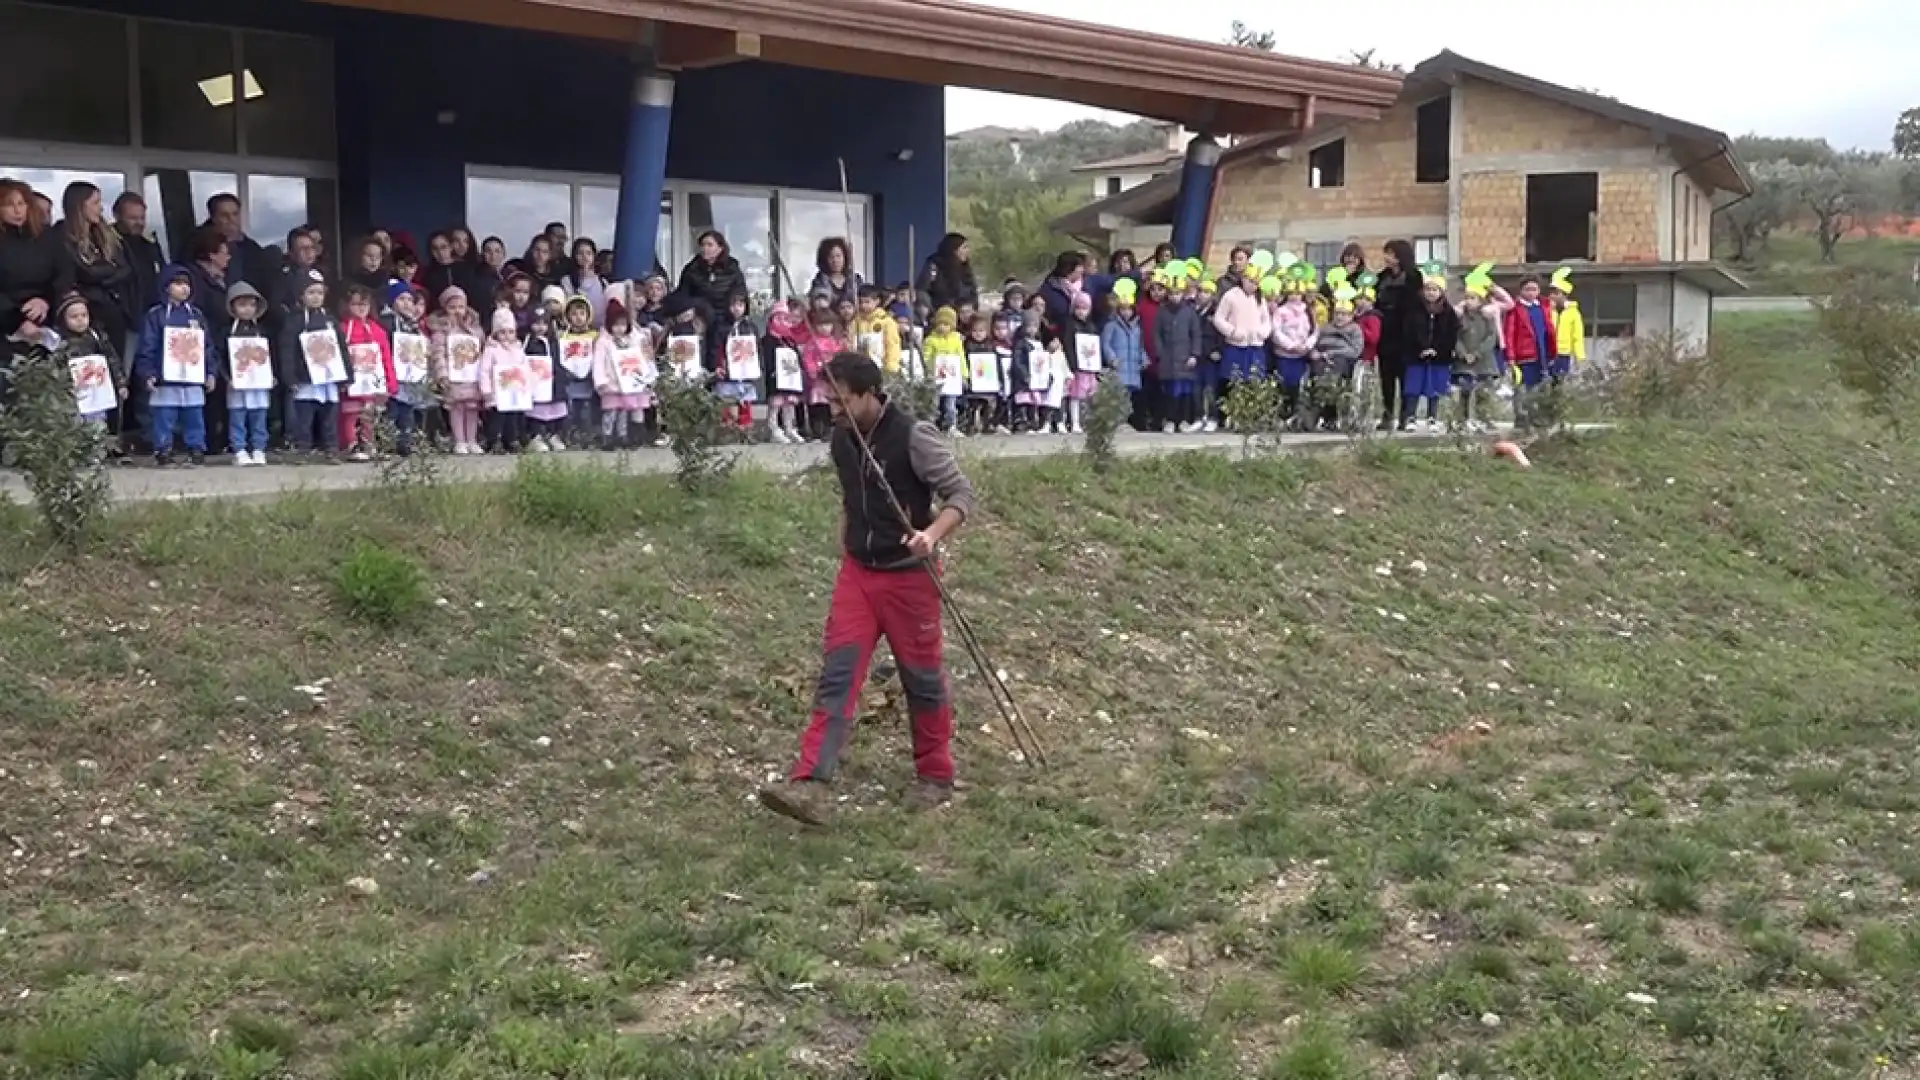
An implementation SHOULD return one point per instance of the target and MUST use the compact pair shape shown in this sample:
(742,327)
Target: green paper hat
(1284,260)
(1480,280)
(1433,268)
(1337,279)
(1562,281)
(1367,280)
(1270,286)
(1125,290)
(1196,268)
(1344,296)
(1261,262)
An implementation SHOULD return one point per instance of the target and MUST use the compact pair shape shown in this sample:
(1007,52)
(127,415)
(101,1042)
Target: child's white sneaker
(554,444)
(1003,430)
(538,445)
(241,457)
(360,456)
(1209,427)
(958,434)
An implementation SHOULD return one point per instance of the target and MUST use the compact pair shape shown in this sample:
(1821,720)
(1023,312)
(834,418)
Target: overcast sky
(1842,69)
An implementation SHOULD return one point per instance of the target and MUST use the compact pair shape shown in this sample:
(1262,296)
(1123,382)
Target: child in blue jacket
(177,405)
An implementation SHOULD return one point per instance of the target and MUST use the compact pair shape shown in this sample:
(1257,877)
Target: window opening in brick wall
(1433,141)
(1428,249)
(1327,165)
(1562,215)
(1324,255)
(1608,309)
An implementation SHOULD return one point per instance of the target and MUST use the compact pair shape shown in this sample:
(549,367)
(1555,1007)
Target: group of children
(542,371)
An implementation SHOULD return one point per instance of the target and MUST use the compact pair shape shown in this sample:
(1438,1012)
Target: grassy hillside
(1389,767)
(1790,263)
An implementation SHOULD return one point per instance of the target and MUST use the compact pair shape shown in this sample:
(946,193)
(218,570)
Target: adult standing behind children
(1059,289)
(713,275)
(1397,296)
(883,588)
(833,271)
(34,268)
(948,277)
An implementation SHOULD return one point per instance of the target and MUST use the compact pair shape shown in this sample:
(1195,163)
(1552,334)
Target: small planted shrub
(62,456)
(381,586)
(1876,334)
(1254,411)
(586,499)
(1105,414)
(921,397)
(1661,376)
(692,413)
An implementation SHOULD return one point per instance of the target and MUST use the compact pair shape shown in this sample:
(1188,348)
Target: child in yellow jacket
(875,332)
(1569,328)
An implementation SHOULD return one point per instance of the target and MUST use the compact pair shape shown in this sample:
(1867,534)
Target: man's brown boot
(805,801)
(926,795)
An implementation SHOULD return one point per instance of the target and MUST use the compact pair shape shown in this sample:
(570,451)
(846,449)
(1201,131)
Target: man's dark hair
(126,199)
(297,233)
(854,373)
(871,291)
(223,197)
(205,241)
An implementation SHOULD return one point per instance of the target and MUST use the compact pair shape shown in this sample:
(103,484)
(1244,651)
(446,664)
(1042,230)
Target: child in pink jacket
(1293,340)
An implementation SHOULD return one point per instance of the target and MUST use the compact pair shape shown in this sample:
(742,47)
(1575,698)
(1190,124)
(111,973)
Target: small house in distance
(1115,175)
(1477,164)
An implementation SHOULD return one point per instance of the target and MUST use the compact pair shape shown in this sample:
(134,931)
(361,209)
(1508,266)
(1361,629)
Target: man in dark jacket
(885,588)
(143,254)
(250,263)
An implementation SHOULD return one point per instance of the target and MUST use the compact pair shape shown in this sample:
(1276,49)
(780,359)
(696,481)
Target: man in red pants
(883,589)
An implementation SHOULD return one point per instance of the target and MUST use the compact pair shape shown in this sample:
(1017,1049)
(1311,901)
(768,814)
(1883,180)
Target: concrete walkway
(219,479)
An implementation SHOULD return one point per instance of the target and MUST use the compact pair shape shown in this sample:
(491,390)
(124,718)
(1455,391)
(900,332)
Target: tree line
(1806,182)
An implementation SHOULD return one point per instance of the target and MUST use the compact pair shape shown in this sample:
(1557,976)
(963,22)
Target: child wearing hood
(946,359)
(313,408)
(178,405)
(503,354)
(79,339)
(579,343)
(413,396)
(735,324)
(549,379)
(362,403)
(455,340)
(245,338)
(1335,353)
(787,332)
(621,412)
(1081,384)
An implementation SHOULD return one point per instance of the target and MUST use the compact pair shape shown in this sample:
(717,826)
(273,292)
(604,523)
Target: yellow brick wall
(1379,181)
(1499,120)
(1629,228)
(1493,218)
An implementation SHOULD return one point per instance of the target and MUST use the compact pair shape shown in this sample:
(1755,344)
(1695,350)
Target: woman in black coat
(102,272)
(1397,294)
(949,278)
(712,276)
(35,271)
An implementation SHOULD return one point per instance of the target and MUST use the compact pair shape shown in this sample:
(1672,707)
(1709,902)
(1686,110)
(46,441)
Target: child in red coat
(370,375)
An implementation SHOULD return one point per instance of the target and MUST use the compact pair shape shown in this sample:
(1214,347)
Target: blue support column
(1194,203)
(643,175)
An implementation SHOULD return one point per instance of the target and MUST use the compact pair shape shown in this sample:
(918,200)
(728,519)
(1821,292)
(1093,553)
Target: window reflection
(177,203)
(289,107)
(277,205)
(53,182)
(599,210)
(808,221)
(65,77)
(515,210)
(187,87)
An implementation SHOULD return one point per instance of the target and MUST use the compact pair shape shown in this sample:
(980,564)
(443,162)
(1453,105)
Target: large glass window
(188,89)
(277,205)
(600,213)
(292,114)
(516,210)
(746,220)
(177,203)
(809,219)
(65,76)
(53,182)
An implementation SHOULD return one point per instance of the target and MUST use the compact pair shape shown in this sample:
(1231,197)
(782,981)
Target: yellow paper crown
(1125,291)
(1562,281)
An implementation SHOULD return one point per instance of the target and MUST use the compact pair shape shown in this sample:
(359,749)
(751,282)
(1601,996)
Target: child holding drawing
(623,374)
(455,340)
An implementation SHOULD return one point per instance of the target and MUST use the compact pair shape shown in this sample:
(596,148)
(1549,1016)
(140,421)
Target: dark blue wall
(537,101)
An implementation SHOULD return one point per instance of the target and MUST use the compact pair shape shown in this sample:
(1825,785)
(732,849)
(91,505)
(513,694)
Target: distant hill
(981,159)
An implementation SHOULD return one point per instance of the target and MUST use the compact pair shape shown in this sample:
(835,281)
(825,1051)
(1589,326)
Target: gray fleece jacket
(1338,349)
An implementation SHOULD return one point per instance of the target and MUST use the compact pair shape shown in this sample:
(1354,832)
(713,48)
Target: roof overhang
(1709,277)
(1221,89)
(1151,203)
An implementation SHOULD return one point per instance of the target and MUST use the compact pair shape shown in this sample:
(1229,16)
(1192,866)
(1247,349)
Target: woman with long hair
(833,271)
(949,280)
(35,271)
(101,271)
(712,276)
(1397,298)
(539,262)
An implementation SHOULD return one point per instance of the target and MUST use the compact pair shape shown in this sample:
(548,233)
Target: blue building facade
(351,118)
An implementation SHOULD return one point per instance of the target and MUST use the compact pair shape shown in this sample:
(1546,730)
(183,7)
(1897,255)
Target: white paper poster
(463,359)
(1039,370)
(249,363)
(634,367)
(683,352)
(949,375)
(321,350)
(93,388)
(369,374)
(410,358)
(788,377)
(576,355)
(911,365)
(512,383)
(186,355)
(1086,352)
(983,373)
(875,347)
(540,377)
(743,359)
